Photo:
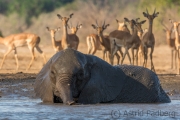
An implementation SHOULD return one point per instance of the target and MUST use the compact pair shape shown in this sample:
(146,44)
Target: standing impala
(68,40)
(17,40)
(171,43)
(104,40)
(177,42)
(122,39)
(94,44)
(56,43)
(148,40)
(74,29)
(136,41)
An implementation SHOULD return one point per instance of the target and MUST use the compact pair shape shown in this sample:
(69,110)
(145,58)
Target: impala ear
(70,16)
(59,16)
(69,26)
(145,14)
(171,21)
(48,28)
(142,22)
(94,26)
(79,26)
(106,26)
(117,21)
(126,20)
(156,14)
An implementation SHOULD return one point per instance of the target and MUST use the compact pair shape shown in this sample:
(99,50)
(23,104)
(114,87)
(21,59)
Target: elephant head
(72,75)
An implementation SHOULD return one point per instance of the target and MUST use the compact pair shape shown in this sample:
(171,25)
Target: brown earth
(21,81)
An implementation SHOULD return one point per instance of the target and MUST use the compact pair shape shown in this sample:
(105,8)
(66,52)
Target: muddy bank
(22,84)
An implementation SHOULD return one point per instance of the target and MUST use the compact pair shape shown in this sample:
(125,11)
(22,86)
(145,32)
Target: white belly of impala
(19,43)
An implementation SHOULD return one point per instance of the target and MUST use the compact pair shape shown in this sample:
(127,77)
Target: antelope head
(135,25)
(150,17)
(121,24)
(53,31)
(100,29)
(175,24)
(74,29)
(65,19)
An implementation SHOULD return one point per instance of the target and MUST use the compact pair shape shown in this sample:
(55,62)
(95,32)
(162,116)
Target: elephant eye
(80,75)
(78,82)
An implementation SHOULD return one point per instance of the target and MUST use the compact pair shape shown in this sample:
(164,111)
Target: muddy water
(15,107)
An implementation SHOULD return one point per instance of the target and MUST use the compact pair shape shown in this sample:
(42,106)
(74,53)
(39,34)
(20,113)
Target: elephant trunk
(65,93)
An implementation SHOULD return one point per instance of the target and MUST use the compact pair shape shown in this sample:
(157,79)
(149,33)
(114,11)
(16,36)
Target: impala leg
(93,50)
(89,50)
(120,50)
(16,58)
(118,57)
(132,50)
(172,58)
(4,57)
(137,56)
(88,45)
(151,57)
(32,59)
(175,61)
(42,53)
(104,53)
(178,72)
(145,57)
(114,49)
(124,55)
(129,57)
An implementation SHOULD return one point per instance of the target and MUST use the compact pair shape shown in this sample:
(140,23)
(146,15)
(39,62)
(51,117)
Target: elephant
(71,77)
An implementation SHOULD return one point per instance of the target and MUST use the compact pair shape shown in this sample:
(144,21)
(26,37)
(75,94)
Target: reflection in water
(26,108)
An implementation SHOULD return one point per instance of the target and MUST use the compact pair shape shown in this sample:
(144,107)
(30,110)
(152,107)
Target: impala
(68,40)
(148,40)
(177,42)
(171,43)
(104,40)
(22,39)
(120,39)
(55,43)
(136,41)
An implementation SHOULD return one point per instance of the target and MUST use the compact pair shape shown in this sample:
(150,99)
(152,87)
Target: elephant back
(143,75)
(141,85)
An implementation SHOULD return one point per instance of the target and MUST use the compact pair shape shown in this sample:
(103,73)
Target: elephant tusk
(71,102)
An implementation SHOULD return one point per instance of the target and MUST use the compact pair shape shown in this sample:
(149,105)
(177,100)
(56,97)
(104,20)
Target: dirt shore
(21,84)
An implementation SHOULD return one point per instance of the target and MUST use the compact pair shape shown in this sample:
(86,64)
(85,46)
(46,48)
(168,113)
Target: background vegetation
(35,15)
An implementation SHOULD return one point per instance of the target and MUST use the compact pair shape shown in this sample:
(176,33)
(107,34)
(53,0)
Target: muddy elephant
(72,77)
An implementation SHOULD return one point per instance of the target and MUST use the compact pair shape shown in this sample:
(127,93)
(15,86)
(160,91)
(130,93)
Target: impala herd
(135,39)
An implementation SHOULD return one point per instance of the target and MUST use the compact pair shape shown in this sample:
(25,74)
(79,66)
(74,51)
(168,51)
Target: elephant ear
(104,85)
(43,84)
